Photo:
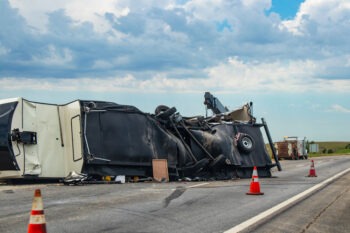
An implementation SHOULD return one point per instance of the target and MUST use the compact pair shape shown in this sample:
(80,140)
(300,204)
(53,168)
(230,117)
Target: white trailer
(44,141)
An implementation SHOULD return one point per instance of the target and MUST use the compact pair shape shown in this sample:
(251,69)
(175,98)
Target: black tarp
(7,158)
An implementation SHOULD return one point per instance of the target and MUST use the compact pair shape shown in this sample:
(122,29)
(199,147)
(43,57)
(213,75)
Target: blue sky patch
(221,26)
(287,9)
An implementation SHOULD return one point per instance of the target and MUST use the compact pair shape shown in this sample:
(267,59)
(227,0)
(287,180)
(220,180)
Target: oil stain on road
(176,194)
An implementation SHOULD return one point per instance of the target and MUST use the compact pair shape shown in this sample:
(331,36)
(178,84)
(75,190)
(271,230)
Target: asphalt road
(328,210)
(188,206)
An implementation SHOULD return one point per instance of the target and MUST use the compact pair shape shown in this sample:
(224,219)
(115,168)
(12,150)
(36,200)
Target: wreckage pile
(107,139)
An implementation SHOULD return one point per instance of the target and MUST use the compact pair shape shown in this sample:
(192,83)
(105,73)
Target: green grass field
(331,148)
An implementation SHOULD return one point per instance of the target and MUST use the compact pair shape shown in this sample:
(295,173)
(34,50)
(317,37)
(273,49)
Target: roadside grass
(345,152)
(331,148)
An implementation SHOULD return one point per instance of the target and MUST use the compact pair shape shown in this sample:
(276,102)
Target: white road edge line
(197,185)
(259,217)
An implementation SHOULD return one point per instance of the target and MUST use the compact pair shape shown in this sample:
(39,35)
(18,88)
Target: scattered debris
(74,178)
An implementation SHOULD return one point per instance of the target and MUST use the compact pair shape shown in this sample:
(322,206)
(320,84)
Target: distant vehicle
(291,148)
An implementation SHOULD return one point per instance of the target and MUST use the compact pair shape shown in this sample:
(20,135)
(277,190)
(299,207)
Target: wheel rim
(247,142)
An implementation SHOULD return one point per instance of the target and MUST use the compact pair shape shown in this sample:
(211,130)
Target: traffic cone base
(37,223)
(312,171)
(254,184)
(36,228)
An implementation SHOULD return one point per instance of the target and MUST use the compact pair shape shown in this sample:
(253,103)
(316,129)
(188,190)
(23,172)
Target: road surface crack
(323,210)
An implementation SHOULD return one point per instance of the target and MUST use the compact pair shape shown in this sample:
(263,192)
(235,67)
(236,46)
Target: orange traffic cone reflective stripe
(254,184)
(37,223)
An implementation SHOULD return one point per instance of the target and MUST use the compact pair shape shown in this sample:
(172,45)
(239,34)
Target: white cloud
(4,50)
(93,11)
(52,56)
(178,43)
(339,108)
(69,84)
(295,76)
(233,76)
(316,16)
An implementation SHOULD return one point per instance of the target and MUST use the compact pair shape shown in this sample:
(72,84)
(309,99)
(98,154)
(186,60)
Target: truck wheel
(245,143)
(164,112)
(161,108)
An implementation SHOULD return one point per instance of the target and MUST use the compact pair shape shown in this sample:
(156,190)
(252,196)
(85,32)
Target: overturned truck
(97,138)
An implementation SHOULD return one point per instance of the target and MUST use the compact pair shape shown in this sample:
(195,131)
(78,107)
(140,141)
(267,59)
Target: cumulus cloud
(175,45)
(232,76)
(339,108)
(36,12)
(322,22)
(52,56)
(3,50)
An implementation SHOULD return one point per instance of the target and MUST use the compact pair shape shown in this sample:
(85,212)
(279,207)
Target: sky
(291,58)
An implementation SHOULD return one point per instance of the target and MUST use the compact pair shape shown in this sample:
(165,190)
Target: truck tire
(245,143)
(161,108)
(164,112)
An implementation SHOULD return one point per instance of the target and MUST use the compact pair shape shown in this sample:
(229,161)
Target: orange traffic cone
(312,172)
(254,184)
(37,223)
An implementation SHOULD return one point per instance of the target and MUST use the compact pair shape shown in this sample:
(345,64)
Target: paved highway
(328,210)
(190,206)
